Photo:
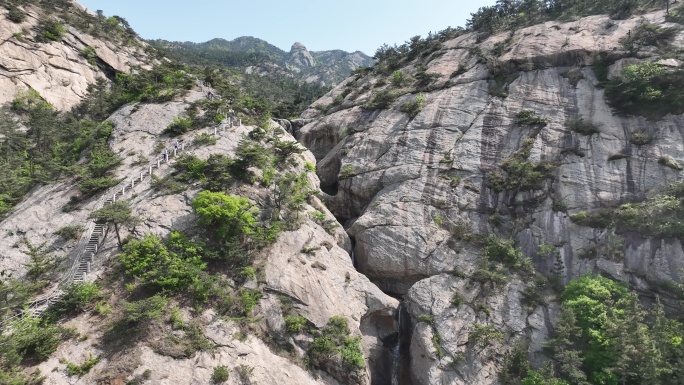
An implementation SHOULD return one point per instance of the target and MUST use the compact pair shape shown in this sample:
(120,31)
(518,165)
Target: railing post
(132,183)
(96,248)
(229,122)
(141,176)
(114,198)
(158,163)
(239,122)
(88,267)
(214,131)
(123,190)
(183,146)
(174,152)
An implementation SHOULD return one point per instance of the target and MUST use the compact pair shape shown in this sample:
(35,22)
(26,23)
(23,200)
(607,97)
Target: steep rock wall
(409,188)
(56,69)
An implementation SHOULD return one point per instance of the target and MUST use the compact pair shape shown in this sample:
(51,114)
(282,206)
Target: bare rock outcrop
(300,56)
(419,192)
(58,70)
(320,283)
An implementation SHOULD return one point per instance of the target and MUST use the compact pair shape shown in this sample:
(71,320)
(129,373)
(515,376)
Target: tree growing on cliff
(230,216)
(118,214)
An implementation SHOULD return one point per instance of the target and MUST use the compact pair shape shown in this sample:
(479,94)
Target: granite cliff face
(320,285)
(431,169)
(418,187)
(60,71)
(307,270)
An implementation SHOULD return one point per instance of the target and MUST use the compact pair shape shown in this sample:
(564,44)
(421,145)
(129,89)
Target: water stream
(401,360)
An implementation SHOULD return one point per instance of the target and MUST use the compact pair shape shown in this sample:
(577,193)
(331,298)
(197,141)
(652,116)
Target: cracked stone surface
(321,284)
(405,186)
(56,70)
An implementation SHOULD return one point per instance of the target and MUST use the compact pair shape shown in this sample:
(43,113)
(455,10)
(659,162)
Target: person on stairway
(165,154)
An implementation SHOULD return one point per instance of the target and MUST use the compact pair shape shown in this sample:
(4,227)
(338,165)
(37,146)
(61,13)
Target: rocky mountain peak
(300,56)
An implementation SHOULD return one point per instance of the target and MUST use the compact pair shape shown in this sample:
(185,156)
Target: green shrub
(227,216)
(397,78)
(414,107)
(427,318)
(580,126)
(77,297)
(84,368)
(599,219)
(346,172)
(423,78)
(459,71)
(617,156)
(90,185)
(103,308)
(145,310)
(248,272)
(167,185)
(648,34)
(647,89)
(52,30)
(529,118)
(16,15)
(335,340)
(189,167)
(485,276)
(640,138)
(295,323)
(250,153)
(521,174)
(504,251)
(244,372)
(70,232)
(204,139)
(249,299)
(179,126)
(285,148)
(173,265)
(89,54)
(28,339)
(220,374)
(352,354)
(218,118)
(670,162)
(456,299)
(381,100)
(484,335)
(176,318)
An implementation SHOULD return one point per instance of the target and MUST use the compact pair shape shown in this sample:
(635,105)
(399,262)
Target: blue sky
(320,25)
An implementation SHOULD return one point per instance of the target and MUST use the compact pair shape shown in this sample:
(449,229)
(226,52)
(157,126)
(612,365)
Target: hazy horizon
(350,26)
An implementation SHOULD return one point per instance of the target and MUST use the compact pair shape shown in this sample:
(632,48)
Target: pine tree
(564,348)
(117,214)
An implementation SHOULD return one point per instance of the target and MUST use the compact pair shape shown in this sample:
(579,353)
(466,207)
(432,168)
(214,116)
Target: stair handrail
(79,248)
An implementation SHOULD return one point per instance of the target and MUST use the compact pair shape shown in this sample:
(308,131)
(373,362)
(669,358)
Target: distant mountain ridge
(258,56)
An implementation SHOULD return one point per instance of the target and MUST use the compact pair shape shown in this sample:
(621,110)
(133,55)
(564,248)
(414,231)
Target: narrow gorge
(496,204)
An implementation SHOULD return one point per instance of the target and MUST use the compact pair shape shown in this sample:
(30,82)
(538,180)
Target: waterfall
(396,350)
(401,359)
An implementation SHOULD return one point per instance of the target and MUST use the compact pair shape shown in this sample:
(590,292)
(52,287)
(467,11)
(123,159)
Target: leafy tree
(174,265)
(118,214)
(228,216)
(28,340)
